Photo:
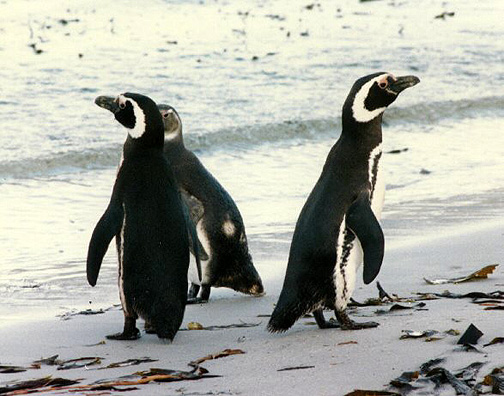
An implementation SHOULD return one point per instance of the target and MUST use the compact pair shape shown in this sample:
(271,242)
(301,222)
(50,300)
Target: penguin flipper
(195,212)
(194,243)
(363,223)
(108,226)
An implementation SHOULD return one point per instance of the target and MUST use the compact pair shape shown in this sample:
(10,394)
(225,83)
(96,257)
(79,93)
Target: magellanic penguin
(146,216)
(226,261)
(338,226)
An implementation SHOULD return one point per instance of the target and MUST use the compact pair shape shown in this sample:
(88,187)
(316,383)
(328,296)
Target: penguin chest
(349,254)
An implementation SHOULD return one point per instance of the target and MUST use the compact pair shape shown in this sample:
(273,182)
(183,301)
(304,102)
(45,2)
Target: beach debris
(167,375)
(347,343)
(429,335)
(50,361)
(496,340)
(417,334)
(427,366)
(424,171)
(295,368)
(194,326)
(431,377)
(199,326)
(224,353)
(469,373)
(74,312)
(467,348)
(496,380)
(444,14)
(65,22)
(398,151)
(470,336)
(480,274)
(46,382)
(129,362)
(68,364)
(495,308)
(5,369)
(78,363)
(403,382)
(361,392)
(440,375)
(102,342)
(36,50)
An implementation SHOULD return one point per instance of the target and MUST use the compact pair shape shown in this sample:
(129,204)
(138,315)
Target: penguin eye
(383,84)
(165,115)
(122,105)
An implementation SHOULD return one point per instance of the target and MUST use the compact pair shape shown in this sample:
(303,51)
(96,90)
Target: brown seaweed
(45,382)
(496,340)
(129,362)
(295,368)
(480,274)
(224,353)
(198,326)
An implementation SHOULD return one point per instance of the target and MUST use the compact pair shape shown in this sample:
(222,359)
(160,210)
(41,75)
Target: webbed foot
(196,300)
(130,332)
(125,336)
(322,323)
(349,324)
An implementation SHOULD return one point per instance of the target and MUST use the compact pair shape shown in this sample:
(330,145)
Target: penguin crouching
(145,215)
(338,227)
(223,245)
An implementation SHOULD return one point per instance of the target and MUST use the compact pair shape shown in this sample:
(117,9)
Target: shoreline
(325,362)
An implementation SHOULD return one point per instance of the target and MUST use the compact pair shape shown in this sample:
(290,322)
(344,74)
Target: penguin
(226,261)
(338,226)
(146,216)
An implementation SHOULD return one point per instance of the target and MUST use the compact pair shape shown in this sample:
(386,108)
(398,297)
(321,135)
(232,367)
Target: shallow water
(259,86)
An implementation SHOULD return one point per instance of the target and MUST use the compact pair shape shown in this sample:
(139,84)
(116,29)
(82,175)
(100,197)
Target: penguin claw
(135,335)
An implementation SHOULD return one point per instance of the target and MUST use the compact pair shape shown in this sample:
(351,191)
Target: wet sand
(328,362)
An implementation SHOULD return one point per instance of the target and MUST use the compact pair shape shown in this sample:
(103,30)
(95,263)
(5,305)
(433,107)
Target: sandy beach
(303,360)
(259,86)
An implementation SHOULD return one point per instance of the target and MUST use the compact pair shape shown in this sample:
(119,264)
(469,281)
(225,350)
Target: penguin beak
(107,102)
(401,83)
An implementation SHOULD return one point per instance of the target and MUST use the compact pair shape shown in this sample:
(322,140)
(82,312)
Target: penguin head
(172,122)
(372,94)
(138,113)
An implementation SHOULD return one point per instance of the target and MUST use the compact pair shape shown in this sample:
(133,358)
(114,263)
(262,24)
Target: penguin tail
(283,318)
(166,320)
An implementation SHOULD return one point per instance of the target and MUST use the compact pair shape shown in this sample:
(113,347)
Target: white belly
(193,271)
(345,272)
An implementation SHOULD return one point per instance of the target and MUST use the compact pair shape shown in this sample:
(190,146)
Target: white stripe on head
(139,128)
(360,113)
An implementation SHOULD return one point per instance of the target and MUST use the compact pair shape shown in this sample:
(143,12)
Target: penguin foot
(196,300)
(322,323)
(349,324)
(149,328)
(125,336)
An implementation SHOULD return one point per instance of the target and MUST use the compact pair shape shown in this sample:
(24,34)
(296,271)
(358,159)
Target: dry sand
(342,360)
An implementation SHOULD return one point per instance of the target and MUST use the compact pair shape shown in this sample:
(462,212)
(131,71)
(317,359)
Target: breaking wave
(248,137)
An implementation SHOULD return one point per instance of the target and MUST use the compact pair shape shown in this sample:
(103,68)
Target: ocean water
(259,86)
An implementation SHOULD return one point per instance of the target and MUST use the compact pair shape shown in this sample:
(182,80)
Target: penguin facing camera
(147,218)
